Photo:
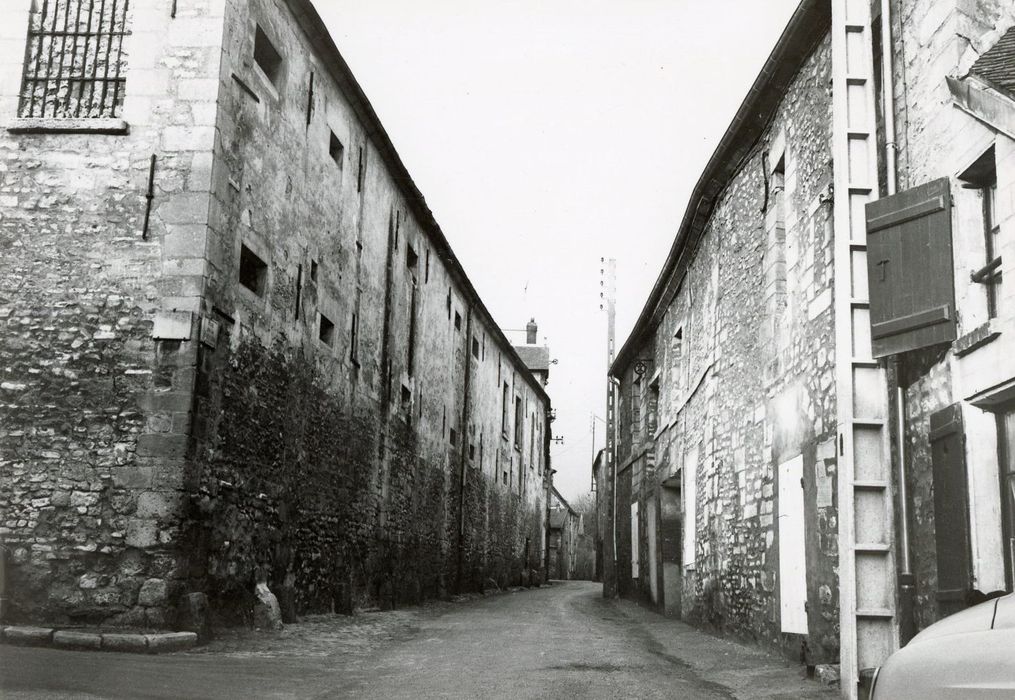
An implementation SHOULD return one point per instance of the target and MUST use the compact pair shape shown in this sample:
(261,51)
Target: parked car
(967,656)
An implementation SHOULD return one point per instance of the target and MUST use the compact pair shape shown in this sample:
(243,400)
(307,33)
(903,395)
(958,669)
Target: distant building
(565,528)
(536,357)
(816,403)
(236,346)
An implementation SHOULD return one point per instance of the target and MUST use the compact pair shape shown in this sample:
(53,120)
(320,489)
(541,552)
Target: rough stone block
(162,445)
(188,208)
(172,325)
(267,612)
(156,505)
(192,615)
(141,533)
(130,643)
(69,639)
(153,592)
(170,641)
(28,636)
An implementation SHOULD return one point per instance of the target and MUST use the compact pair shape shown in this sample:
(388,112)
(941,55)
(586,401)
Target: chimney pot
(531,331)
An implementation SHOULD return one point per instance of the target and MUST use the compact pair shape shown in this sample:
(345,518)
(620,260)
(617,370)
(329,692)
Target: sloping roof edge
(808,25)
(981,100)
(313,26)
(562,500)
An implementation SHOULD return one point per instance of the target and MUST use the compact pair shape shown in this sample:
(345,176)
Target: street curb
(83,640)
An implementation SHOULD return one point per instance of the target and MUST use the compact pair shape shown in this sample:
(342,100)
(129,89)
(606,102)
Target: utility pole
(608,300)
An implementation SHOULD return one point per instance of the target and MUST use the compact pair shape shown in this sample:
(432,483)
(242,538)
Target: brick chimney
(531,330)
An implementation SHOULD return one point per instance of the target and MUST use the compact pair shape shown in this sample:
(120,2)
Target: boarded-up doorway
(669,526)
(792,552)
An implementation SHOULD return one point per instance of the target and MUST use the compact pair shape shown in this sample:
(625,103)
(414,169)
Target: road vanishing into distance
(557,641)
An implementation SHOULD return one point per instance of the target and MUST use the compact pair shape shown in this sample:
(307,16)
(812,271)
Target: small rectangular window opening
(253,271)
(458,321)
(472,452)
(313,270)
(426,273)
(310,99)
(411,259)
(504,410)
(326,330)
(267,57)
(335,149)
(354,332)
(361,171)
(453,437)
(406,398)
(475,348)
(519,422)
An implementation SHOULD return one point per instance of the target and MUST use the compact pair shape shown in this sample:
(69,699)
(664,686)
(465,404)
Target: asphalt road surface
(562,641)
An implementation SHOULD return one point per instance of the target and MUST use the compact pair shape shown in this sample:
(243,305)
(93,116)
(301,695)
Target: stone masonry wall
(94,412)
(748,384)
(345,468)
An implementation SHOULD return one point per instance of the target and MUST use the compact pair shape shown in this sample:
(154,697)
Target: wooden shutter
(951,511)
(909,269)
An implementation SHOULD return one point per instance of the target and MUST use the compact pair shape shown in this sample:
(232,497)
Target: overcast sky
(547,134)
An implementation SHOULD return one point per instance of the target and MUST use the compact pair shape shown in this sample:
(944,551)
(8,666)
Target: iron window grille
(74,60)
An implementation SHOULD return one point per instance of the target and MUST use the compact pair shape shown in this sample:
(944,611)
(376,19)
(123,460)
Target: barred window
(74,61)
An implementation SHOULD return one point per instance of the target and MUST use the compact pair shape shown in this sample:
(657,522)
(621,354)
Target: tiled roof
(997,65)
(535,357)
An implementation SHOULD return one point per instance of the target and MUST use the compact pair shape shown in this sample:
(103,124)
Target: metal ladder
(867,590)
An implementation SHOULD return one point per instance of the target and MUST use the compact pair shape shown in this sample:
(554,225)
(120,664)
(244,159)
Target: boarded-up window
(909,269)
(951,516)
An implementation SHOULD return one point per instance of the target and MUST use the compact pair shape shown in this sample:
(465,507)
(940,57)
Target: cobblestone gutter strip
(84,640)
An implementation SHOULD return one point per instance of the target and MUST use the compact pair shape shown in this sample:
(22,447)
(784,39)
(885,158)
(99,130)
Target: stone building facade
(839,273)
(954,106)
(726,393)
(236,347)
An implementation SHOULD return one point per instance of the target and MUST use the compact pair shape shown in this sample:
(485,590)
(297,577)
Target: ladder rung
(854,27)
(860,362)
(858,245)
(859,189)
(859,303)
(858,133)
(870,485)
(856,80)
(872,548)
(881,613)
(868,423)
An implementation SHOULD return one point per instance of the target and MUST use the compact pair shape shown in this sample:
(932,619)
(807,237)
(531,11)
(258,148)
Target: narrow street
(562,641)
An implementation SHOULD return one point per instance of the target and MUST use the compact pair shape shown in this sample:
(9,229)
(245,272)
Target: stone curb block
(66,639)
(171,641)
(131,643)
(28,636)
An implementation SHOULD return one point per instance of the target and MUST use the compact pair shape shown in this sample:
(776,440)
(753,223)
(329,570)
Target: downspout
(907,582)
(548,483)
(465,445)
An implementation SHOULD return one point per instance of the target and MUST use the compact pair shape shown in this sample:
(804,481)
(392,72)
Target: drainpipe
(907,581)
(465,445)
